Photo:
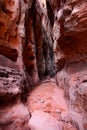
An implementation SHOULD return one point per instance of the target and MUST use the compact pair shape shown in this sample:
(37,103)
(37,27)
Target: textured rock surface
(41,99)
(14,117)
(47,110)
(39,38)
(45,121)
(73,77)
(12,81)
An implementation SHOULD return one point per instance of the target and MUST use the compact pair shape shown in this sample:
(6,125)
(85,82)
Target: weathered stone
(12,80)
(37,40)
(43,121)
(14,117)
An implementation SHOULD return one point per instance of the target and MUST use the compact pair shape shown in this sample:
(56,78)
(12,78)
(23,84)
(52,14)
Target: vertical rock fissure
(29,52)
(38,46)
(50,13)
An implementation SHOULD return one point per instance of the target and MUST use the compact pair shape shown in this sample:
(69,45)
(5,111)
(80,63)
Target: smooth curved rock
(43,121)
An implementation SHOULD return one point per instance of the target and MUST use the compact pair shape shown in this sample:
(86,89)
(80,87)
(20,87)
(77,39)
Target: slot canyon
(43,64)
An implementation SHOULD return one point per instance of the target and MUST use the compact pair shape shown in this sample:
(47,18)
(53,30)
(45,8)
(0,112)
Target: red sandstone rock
(14,117)
(43,37)
(46,97)
(43,121)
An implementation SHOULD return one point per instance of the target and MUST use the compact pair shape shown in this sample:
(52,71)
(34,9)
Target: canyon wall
(41,39)
(73,77)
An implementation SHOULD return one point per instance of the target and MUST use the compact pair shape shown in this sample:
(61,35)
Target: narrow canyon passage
(46,103)
(43,64)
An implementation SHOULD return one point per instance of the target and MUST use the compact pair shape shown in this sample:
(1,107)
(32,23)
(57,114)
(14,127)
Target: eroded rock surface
(12,80)
(44,120)
(14,117)
(49,109)
(39,38)
(74,50)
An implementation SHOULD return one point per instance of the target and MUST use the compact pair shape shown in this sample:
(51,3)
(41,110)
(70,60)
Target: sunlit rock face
(13,83)
(12,16)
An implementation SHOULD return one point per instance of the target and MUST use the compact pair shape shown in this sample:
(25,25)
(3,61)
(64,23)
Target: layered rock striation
(40,39)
